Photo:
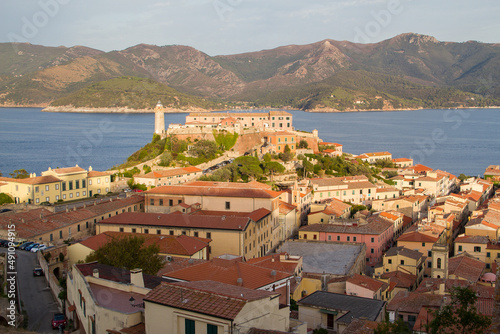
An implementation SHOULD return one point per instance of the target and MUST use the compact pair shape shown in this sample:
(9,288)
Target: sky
(220,27)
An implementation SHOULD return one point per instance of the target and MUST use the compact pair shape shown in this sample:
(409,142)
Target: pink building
(377,235)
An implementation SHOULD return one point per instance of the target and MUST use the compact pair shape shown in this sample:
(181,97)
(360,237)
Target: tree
(4,198)
(287,154)
(129,253)
(396,327)
(20,174)
(459,315)
(303,144)
(204,149)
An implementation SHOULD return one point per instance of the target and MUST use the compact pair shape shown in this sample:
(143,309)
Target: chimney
(441,289)
(136,277)
(239,281)
(95,273)
(90,168)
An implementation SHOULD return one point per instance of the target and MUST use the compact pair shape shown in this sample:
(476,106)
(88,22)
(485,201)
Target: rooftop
(327,257)
(357,307)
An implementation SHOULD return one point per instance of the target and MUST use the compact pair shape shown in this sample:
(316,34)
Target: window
(37,189)
(51,237)
(429,253)
(78,227)
(429,264)
(57,186)
(57,197)
(83,183)
(47,188)
(47,199)
(329,238)
(170,202)
(354,239)
(171,232)
(460,248)
(314,237)
(77,184)
(211,329)
(348,238)
(477,249)
(60,235)
(488,266)
(161,202)
(305,236)
(146,230)
(389,261)
(402,262)
(70,185)
(64,186)
(121,229)
(134,230)
(196,234)
(87,224)
(209,235)
(488,254)
(98,181)
(228,205)
(71,195)
(423,244)
(90,182)
(84,193)
(338,237)
(372,239)
(372,251)
(438,263)
(152,201)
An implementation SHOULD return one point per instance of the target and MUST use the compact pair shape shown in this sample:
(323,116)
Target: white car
(37,248)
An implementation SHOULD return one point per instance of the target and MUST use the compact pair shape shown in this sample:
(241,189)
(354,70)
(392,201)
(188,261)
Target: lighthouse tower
(159,119)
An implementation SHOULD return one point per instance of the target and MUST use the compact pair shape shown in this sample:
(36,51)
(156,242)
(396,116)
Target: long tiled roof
(170,172)
(168,244)
(410,253)
(217,189)
(432,284)
(402,280)
(417,236)
(228,272)
(412,302)
(68,170)
(179,220)
(206,297)
(273,262)
(32,180)
(367,282)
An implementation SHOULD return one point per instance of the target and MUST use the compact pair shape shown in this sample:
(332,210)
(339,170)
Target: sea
(454,140)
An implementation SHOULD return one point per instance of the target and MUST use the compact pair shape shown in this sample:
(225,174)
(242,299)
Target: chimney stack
(136,277)
(95,273)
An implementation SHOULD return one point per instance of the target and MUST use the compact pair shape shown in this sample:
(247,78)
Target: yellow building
(479,247)
(402,259)
(32,190)
(212,307)
(241,234)
(60,184)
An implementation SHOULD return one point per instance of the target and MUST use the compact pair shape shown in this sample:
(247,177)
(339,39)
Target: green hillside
(134,93)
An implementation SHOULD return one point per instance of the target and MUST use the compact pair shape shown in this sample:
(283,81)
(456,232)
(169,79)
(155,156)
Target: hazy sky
(236,26)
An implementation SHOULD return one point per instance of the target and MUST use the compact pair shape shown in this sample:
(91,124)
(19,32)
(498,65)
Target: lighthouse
(159,119)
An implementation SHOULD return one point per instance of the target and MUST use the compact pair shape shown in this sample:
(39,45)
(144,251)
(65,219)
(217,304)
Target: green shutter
(211,329)
(189,326)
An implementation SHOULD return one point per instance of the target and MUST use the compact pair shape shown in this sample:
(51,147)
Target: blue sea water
(458,141)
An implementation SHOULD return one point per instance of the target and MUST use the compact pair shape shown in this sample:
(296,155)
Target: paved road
(37,299)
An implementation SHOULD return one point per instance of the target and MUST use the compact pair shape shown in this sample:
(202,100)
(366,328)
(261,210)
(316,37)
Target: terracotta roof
(367,282)
(115,274)
(326,182)
(412,302)
(386,189)
(95,173)
(285,208)
(69,170)
(254,215)
(417,236)
(168,244)
(372,228)
(466,267)
(33,180)
(472,239)
(179,220)
(401,160)
(217,189)
(274,262)
(206,297)
(388,215)
(421,168)
(403,280)
(136,329)
(403,251)
(429,284)
(361,326)
(228,272)
(377,154)
(177,263)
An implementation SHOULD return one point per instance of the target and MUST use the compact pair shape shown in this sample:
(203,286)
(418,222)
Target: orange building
(280,139)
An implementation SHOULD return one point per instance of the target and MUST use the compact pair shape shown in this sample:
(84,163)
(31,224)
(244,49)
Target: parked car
(38,248)
(58,319)
(127,190)
(5,210)
(31,246)
(26,244)
(38,272)
(4,243)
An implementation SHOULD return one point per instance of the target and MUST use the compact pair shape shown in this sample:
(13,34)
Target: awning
(329,312)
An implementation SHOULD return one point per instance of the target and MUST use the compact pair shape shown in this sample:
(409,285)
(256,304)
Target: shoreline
(122,110)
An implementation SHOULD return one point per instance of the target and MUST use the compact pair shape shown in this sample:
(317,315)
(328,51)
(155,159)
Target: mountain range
(406,71)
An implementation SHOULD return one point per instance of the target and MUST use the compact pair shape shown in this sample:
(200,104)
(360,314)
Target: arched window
(439,263)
